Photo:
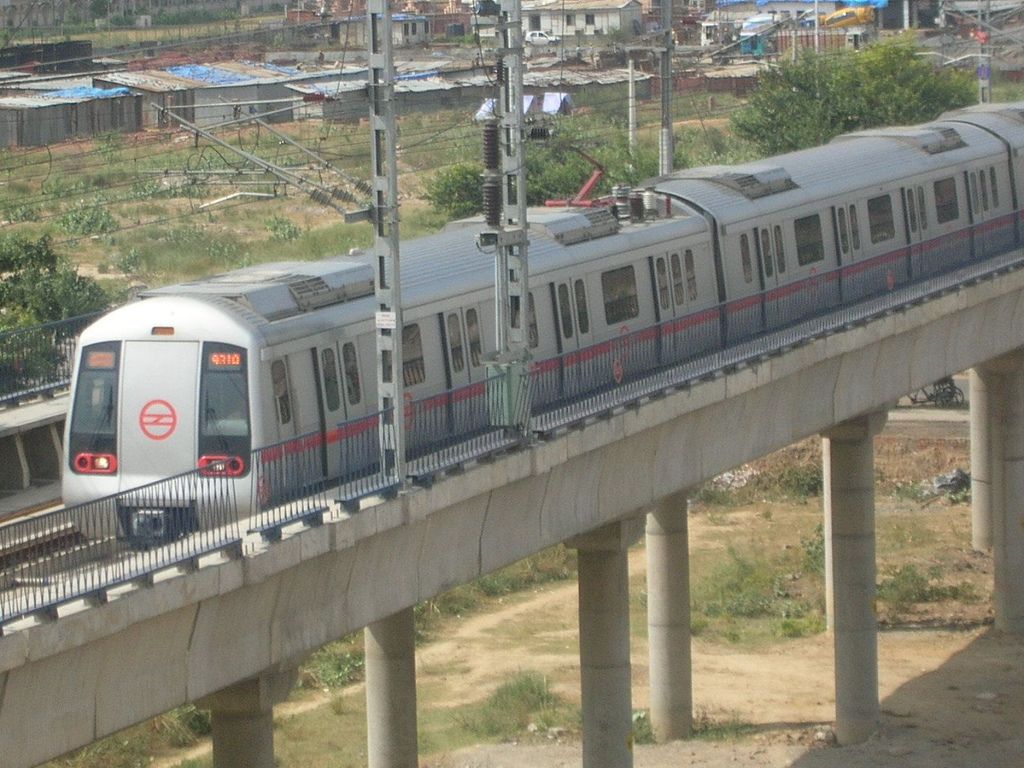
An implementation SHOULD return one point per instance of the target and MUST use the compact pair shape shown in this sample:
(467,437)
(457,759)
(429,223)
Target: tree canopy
(38,285)
(807,102)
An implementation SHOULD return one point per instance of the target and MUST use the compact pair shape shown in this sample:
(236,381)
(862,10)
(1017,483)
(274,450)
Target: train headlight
(95,463)
(221,466)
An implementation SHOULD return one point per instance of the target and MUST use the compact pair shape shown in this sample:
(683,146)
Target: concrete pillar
(605,680)
(986,453)
(848,455)
(243,719)
(1008,507)
(390,646)
(668,619)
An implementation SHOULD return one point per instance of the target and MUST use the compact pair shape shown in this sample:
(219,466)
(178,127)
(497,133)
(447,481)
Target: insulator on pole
(492,202)
(492,146)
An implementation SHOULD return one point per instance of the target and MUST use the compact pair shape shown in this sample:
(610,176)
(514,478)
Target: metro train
(197,375)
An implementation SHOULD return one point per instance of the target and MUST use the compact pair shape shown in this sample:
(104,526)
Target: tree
(40,285)
(810,101)
(456,190)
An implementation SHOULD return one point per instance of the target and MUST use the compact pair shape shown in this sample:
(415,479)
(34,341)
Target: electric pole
(388,318)
(666,145)
(505,213)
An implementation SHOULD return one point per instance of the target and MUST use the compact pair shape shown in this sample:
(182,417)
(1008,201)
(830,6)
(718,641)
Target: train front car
(161,387)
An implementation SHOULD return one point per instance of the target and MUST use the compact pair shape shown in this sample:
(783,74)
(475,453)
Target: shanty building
(570,19)
(74,113)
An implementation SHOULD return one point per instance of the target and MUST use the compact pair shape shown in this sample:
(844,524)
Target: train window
(414,368)
(911,211)
(691,274)
(983,182)
(224,402)
(880,221)
(854,228)
(844,236)
(766,253)
(473,334)
(582,315)
(677,280)
(947,208)
(565,310)
(972,183)
(921,212)
(533,339)
(661,274)
(995,188)
(332,391)
(618,287)
(279,378)
(351,365)
(809,245)
(748,267)
(94,415)
(780,254)
(455,343)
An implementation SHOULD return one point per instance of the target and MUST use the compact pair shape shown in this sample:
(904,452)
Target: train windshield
(224,402)
(94,412)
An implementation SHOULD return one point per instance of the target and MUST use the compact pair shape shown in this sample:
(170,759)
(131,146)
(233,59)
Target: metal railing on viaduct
(84,552)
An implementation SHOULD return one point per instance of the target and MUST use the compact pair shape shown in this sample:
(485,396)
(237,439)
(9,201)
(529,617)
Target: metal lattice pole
(390,384)
(509,369)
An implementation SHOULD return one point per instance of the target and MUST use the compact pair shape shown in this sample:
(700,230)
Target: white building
(569,18)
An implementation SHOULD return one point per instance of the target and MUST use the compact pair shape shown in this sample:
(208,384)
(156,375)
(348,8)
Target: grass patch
(516,704)
(711,728)
(908,585)
(748,596)
(334,665)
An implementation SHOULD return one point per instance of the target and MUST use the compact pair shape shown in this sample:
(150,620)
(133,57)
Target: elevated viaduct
(229,635)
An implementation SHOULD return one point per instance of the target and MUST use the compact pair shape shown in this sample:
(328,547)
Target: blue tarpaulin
(872,3)
(206,74)
(86,92)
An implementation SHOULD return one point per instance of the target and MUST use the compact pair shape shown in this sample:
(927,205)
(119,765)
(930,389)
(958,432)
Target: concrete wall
(65,683)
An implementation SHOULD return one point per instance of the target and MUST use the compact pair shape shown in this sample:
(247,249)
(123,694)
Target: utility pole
(388,318)
(985,59)
(666,145)
(505,213)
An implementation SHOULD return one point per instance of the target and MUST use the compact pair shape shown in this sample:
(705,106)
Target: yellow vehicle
(848,17)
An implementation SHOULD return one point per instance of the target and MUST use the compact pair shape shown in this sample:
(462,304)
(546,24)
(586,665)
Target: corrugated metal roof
(575,5)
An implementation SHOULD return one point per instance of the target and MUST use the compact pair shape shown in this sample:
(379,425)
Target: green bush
(506,713)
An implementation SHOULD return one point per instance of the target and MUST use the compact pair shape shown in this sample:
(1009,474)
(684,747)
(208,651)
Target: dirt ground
(951,686)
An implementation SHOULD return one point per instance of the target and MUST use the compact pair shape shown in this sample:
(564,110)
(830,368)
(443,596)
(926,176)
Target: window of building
(570,19)
(618,287)
(881,224)
(589,19)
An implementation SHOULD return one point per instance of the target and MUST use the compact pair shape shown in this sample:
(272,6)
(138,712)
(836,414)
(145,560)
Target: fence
(38,360)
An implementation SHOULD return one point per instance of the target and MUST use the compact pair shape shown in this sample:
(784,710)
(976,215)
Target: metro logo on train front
(158,419)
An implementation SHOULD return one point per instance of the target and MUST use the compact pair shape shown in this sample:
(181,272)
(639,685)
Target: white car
(537,37)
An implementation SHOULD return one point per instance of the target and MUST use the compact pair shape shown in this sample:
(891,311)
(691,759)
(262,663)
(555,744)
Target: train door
(982,209)
(463,350)
(973,213)
(915,233)
(772,273)
(331,390)
(669,303)
(284,401)
(158,413)
(575,333)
